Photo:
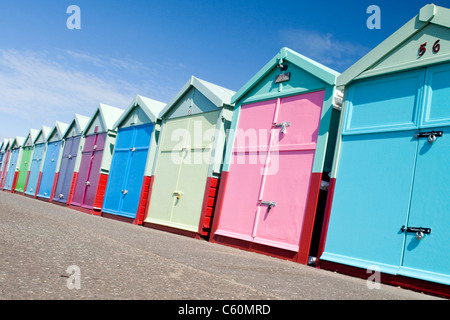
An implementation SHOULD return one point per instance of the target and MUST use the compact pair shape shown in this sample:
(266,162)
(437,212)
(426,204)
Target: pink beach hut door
(279,180)
(89,173)
(286,180)
(246,168)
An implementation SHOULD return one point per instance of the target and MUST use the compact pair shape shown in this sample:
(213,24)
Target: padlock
(431,138)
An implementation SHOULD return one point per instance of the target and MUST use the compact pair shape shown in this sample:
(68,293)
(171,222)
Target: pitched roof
(108,115)
(44,132)
(79,121)
(4,144)
(60,127)
(17,142)
(320,71)
(32,133)
(429,14)
(218,95)
(151,108)
(9,143)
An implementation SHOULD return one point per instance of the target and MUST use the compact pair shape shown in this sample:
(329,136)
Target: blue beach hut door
(12,169)
(49,169)
(427,256)
(127,170)
(391,199)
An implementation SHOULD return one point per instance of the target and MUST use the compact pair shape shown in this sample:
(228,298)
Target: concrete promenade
(49,252)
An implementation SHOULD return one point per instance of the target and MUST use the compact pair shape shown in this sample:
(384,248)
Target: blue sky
(151,48)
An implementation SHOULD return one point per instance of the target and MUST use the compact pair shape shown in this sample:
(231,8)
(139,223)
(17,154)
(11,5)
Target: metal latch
(124,191)
(178,194)
(269,204)
(88,183)
(431,135)
(283,126)
(418,230)
(133,149)
(69,156)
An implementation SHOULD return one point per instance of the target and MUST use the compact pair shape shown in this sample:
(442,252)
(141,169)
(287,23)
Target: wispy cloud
(38,88)
(323,47)
(34,84)
(104,62)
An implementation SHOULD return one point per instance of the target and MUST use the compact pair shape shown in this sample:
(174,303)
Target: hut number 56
(423,48)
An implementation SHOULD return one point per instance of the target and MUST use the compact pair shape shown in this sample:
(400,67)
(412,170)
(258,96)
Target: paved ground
(116,260)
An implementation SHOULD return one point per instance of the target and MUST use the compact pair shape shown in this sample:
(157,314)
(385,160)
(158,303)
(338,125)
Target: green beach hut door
(24,165)
(183,161)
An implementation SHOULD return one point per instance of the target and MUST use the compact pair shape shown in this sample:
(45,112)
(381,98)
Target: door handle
(124,191)
(431,135)
(269,204)
(283,126)
(178,193)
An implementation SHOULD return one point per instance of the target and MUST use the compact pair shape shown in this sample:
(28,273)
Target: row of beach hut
(341,171)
